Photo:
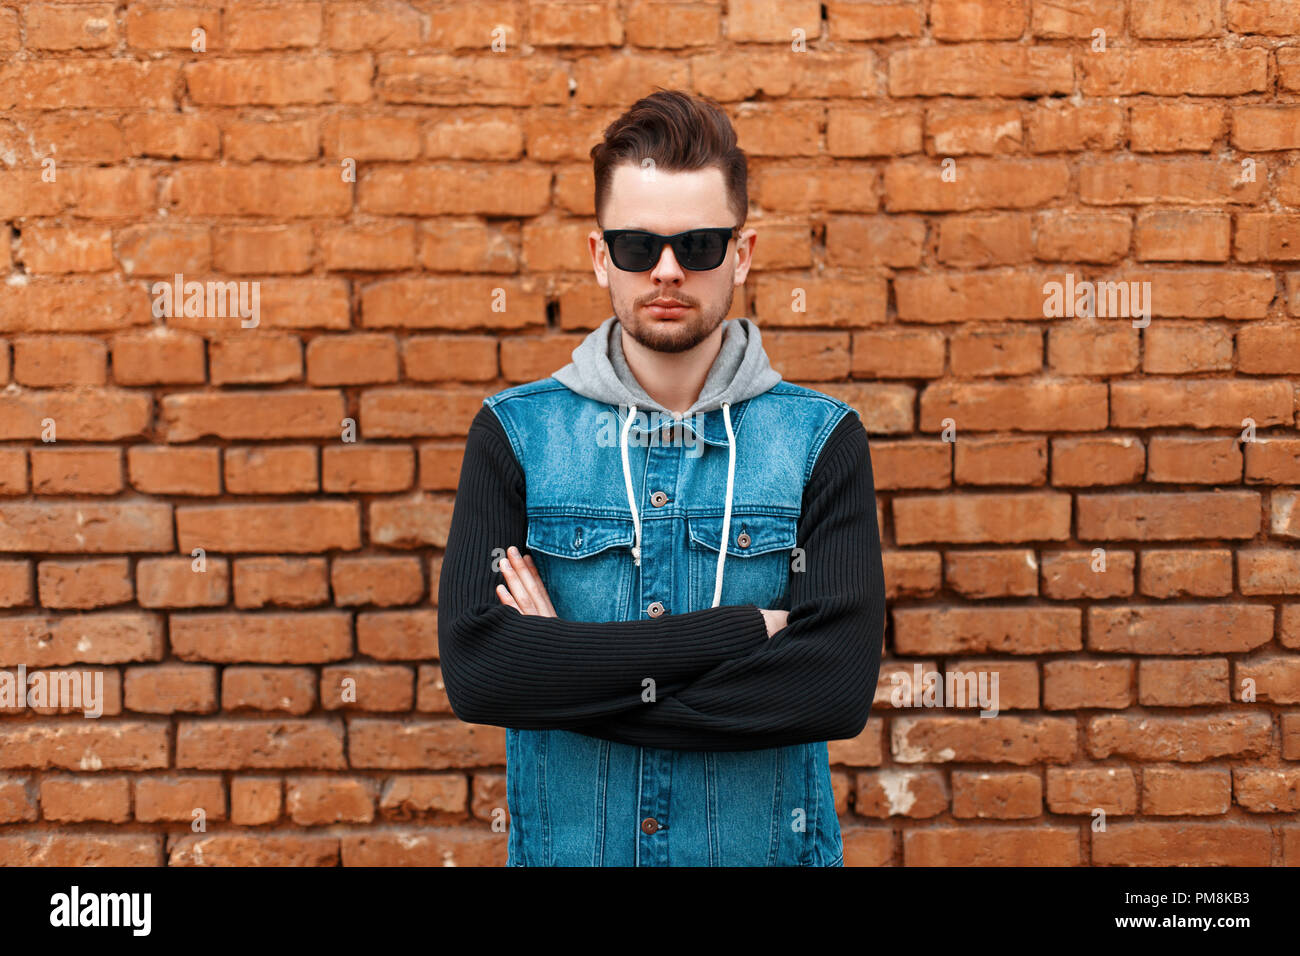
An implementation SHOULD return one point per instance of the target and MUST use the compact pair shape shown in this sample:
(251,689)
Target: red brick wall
(1120,691)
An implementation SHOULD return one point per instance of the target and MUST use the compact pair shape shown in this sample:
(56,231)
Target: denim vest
(580,801)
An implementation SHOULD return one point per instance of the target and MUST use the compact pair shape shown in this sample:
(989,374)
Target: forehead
(667,202)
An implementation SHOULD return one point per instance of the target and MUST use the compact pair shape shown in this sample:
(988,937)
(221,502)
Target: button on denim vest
(581,801)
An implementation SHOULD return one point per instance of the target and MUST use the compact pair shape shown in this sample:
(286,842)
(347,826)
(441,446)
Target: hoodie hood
(599,371)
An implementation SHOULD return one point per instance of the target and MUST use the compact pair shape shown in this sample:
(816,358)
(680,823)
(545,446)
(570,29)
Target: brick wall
(235,524)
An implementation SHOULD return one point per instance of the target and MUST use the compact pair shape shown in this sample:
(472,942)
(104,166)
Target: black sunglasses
(699,250)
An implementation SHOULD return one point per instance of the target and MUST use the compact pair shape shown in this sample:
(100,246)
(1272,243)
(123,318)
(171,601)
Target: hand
(526,593)
(775,620)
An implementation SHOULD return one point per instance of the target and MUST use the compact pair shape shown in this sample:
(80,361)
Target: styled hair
(679,132)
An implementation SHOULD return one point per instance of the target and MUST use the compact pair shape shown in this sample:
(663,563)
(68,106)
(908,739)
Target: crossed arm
(721,683)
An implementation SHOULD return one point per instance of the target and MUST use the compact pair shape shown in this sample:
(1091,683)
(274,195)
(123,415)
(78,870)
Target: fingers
(518,590)
(541,588)
(503,593)
(532,582)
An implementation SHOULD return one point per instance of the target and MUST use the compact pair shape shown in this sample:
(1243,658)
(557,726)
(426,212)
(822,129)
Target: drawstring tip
(636,556)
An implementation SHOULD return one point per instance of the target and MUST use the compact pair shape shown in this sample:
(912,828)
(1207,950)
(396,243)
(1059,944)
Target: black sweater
(720,683)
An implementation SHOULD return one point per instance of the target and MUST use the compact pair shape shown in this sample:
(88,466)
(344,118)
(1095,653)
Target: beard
(671,335)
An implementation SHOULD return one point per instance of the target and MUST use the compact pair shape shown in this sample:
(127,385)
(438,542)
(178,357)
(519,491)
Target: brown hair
(679,132)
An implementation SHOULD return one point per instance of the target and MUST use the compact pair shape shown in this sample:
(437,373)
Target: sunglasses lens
(701,250)
(635,253)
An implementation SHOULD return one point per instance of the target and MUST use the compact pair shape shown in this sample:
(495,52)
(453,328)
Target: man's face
(668,203)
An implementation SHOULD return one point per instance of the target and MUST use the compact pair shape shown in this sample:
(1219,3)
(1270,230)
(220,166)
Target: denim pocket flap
(750,533)
(577,536)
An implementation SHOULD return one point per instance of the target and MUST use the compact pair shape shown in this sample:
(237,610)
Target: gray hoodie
(599,371)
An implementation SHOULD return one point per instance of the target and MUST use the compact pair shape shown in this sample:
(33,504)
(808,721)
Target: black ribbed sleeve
(530,672)
(816,678)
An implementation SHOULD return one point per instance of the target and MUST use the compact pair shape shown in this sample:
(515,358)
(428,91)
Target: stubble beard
(672,335)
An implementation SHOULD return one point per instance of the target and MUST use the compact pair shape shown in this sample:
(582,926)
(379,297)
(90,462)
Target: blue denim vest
(580,801)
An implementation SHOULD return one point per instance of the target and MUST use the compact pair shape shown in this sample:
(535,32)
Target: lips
(667,309)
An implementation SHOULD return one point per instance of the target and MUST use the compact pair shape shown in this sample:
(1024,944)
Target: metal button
(659,499)
(743,539)
(649,824)
(656,609)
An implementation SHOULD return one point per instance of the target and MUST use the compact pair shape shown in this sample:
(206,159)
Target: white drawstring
(726,514)
(631,498)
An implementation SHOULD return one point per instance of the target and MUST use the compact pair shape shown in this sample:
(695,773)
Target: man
(702,606)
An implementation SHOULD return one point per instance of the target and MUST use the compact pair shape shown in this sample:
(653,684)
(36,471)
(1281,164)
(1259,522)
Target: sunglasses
(698,250)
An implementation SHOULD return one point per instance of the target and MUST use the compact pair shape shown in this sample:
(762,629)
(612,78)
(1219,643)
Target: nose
(667,269)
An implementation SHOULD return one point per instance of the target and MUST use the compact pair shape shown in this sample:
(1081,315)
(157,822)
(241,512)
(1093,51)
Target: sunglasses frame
(609,235)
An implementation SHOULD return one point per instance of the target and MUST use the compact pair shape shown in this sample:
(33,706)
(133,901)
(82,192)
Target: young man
(702,606)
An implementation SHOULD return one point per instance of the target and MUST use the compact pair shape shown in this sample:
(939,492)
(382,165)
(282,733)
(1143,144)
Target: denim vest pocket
(757,570)
(585,562)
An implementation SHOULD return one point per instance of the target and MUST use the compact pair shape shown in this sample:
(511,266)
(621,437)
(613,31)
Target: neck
(673,379)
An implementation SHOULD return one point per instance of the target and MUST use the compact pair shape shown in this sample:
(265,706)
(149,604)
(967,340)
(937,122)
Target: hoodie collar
(599,371)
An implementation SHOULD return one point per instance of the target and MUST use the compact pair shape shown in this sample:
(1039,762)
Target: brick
(1085,791)
(1181,844)
(253,415)
(992,846)
(317,801)
(177,798)
(1071,575)
(171,688)
(279,470)
(116,745)
(1101,684)
(1175,127)
(382,581)
(182,582)
(259,744)
(84,799)
(431,744)
(88,415)
(1190,791)
(98,637)
(1179,629)
(367,687)
(1188,739)
(298,527)
(1173,349)
(1182,683)
(1016,740)
(234,849)
(1028,630)
(280,582)
(1167,516)
(976,518)
(367,468)
(84,584)
(76,471)
(910,793)
(979,70)
(254,800)
(310,637)
(425,797)
(1186,573)
(987,574)
(290,690)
